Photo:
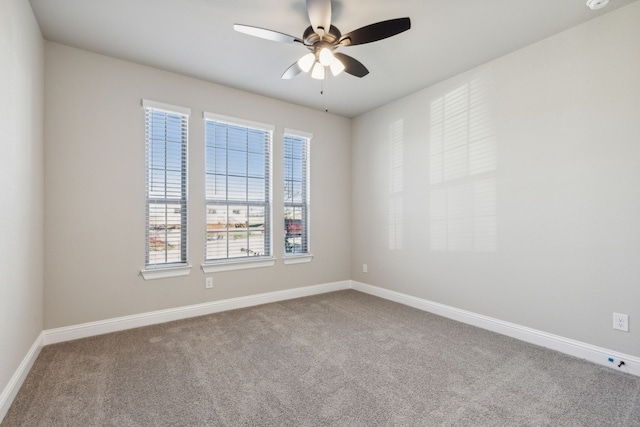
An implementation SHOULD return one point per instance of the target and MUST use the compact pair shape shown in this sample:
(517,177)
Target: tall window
(238,188)
(166,134)
(296,192)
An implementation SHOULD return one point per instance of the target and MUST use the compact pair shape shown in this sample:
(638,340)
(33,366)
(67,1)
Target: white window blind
(238,188)
(166,134)
(296,192)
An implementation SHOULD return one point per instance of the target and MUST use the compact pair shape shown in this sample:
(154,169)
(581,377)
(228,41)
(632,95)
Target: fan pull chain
(322,90)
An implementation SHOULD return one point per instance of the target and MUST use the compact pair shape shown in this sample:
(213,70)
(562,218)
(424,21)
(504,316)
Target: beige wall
(21,185)
(530,214)
(95,178)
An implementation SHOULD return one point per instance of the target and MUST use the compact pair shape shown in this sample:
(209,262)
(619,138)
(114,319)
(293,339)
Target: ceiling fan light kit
(322,39)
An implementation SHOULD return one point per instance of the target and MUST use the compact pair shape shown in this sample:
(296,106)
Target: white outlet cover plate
(621,322)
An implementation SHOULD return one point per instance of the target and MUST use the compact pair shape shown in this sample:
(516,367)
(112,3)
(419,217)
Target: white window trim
(167,108)
(297,259)
(236,121)
(301,133)
(237,264)
(165,272)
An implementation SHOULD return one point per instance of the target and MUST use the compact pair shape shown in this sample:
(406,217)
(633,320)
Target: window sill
(163,273)
(237,265)
(297,259)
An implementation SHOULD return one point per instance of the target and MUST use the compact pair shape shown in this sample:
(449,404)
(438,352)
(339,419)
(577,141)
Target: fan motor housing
(310,37)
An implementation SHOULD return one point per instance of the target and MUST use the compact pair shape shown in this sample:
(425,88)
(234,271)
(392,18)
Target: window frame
(212,265)
(305,204)
(182,267)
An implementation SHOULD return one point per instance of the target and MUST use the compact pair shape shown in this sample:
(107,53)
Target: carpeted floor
(344,358)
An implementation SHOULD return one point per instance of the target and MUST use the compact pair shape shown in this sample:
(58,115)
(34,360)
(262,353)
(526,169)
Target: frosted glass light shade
(306,62)
(325,57)
(336,66)
(318,71)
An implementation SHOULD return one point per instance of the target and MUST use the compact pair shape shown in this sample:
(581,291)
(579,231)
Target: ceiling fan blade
(375,32)
(292,71)
(351,65)
(266,34)
(319,15)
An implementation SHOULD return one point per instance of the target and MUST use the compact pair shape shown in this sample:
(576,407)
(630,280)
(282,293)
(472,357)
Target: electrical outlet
(621,322)
(208,282)
(364,268)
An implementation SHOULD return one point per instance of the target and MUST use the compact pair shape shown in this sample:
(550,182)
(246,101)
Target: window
(166,135)
(238,190)
(296,193)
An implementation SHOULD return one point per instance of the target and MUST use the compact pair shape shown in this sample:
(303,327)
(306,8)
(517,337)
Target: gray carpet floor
(343,359)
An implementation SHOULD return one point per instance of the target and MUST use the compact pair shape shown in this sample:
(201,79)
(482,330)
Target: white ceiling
(196,38)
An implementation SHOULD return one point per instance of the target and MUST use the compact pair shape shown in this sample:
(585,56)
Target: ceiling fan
(322,39)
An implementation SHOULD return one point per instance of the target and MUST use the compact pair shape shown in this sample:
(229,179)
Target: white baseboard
(11,390)
(68,333)
(568,346)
